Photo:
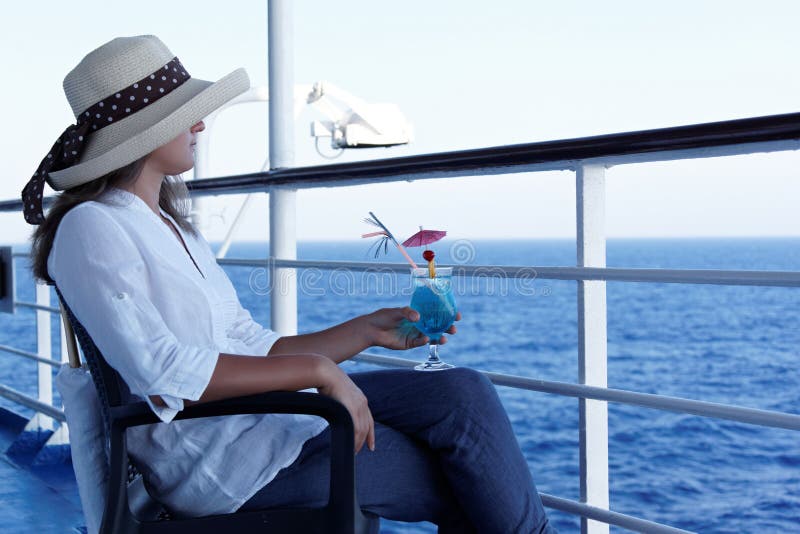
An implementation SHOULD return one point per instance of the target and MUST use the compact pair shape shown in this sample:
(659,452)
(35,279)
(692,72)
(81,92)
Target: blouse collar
(127,199)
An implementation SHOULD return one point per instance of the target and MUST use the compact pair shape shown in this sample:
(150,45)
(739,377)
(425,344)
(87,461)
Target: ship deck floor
(35,498)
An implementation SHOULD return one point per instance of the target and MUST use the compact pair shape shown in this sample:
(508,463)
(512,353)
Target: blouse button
(121,296)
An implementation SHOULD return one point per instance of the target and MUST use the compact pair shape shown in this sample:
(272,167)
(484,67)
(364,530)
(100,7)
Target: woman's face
(177,156)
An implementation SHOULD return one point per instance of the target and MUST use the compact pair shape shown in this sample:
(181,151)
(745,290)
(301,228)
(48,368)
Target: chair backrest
(111,388)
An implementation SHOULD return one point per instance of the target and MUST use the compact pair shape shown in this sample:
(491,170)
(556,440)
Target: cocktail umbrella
(424,237)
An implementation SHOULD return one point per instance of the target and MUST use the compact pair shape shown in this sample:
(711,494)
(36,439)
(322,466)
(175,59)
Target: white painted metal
(44,350)
(202,150)
(30,355)
(42,409)
(35,306)
(592,349)
(281,83)
(226,243)
(740,414)
(673,276)
(202,153)
(282,202)
(303,94)
(202,164)
(60,437)
(283,245)
(248,200)
(606,516)
(357,122)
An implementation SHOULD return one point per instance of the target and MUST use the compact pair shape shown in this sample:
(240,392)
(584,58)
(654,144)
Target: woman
(135,272)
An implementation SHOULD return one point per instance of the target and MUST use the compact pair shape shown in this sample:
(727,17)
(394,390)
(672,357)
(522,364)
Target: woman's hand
(339,386)
(393,328)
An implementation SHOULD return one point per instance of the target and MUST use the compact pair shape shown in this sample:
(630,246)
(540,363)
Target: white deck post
(592,342)
(44,348)
(282,202)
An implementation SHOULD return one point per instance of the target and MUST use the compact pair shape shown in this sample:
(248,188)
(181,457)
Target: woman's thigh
(415,401)
(400,480)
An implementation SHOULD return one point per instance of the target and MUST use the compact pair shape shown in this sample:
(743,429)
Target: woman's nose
(199,127)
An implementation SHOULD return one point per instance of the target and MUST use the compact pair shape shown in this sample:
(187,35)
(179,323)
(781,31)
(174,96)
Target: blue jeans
(445,452)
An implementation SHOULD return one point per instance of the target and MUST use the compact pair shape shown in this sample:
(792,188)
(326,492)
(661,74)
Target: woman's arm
(338,342)
(391,328)
(235,376)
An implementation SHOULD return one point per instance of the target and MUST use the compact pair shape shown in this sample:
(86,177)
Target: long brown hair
(173,199)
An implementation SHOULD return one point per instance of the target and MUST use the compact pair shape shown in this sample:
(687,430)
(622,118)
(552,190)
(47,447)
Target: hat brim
(122,143)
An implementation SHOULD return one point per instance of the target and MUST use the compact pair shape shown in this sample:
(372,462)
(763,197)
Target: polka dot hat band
(69,146)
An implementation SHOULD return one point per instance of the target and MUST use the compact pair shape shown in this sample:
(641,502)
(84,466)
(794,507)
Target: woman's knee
(468,384)
(469,377)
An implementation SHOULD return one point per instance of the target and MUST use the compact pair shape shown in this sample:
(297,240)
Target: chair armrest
(342,480)
(137,414)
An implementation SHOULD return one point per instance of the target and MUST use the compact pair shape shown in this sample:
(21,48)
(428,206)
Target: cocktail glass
(433,299)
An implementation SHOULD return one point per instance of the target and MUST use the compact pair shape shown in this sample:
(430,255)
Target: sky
(467,76)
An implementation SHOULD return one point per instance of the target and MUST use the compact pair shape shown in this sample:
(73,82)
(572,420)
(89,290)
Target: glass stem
(433,353)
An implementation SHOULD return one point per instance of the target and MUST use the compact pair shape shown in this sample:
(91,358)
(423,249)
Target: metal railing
(588,158)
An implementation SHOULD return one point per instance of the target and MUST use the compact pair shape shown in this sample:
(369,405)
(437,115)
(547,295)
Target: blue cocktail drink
(433,299)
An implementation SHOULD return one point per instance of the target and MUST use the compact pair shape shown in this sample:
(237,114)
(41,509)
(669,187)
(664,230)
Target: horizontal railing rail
(667,276)
(741,136)
(34,306)
(607,516)
(740,414)
(29,355)
(34,404)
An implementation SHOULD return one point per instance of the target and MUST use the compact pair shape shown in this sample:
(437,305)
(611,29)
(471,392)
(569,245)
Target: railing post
(282,202)
(283,245)
(44,348)
(592,342)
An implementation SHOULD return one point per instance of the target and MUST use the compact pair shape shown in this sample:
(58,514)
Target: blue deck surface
(35,498)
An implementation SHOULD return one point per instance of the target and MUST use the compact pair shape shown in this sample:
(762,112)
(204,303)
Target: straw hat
(130,96)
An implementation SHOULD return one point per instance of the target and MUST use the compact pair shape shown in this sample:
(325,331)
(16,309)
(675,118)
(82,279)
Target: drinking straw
(373,234)
(388,234)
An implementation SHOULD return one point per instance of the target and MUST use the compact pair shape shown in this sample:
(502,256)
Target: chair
(121,410)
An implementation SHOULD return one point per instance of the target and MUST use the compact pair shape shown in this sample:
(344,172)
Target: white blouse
(162,322)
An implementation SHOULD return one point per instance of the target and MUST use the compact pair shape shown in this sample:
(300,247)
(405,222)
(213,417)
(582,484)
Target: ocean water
(738,345)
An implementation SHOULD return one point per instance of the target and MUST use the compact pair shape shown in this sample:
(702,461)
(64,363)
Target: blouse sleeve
(103,278)
(259,340)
